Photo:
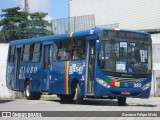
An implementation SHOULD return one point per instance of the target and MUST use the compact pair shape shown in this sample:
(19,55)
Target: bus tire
(79,98)
(28,94)
(66,98)
(121,101)
(37,96)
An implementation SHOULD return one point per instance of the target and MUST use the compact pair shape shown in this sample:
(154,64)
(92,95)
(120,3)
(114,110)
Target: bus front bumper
(122,92)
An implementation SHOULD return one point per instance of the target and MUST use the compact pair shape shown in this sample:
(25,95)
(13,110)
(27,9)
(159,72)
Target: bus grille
(119,79)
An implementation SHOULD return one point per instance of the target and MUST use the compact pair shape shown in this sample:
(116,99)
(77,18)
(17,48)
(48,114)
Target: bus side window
(54,49)
(36,52)
(31,51)
(26,53)
(78,48)
(11,54)
(64,47)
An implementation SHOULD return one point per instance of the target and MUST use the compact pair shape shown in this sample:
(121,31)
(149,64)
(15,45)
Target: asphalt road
(106,106)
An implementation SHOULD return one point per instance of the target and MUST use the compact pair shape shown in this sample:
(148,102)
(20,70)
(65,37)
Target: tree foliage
(1,36)
(38,26)
(17,24)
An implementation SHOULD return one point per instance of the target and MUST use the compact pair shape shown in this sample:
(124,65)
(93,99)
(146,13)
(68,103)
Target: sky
(56,9)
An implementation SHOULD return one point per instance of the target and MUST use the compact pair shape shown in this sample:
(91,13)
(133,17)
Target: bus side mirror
(97,44)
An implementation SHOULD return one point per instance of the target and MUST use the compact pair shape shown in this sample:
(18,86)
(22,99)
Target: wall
(132,14)
(4,91)
(156,64)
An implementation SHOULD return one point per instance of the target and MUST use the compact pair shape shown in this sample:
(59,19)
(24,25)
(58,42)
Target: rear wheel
(37,96)
(66,98)
(79,98)
(30,95)
(121,101)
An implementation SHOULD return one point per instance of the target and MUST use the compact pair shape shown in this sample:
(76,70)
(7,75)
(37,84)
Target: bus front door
(90,68)
(46,67)
(17,67)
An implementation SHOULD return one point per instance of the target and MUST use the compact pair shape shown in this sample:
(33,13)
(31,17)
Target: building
(136,14)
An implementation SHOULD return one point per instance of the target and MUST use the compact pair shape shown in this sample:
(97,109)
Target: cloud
(39,5)
(36,5)
(48,18)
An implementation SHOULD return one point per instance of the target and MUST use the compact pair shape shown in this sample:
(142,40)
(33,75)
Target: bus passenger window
(75,55)
(64,49)
(78,54)
(36,53)
(54,49)
(46,57)
(26,53)
(11,54)
(63,55)
(78,48)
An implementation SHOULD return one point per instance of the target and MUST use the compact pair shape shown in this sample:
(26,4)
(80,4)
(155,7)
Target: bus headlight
(103,83)
(146,86)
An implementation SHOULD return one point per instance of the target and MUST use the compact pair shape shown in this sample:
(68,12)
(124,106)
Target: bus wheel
(28,94)
(79,98)
(121,101)
(37,96)
(66,98)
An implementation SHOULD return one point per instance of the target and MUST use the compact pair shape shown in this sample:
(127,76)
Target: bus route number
(137,85)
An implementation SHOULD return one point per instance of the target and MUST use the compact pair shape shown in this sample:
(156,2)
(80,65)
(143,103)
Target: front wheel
(121,101)
(79,98)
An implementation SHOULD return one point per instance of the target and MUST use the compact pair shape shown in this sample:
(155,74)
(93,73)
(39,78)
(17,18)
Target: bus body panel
(56,83)
(60,75)
(12,67)
(31,72)
(130,89)
(77,72)
(133,88)
(10,76)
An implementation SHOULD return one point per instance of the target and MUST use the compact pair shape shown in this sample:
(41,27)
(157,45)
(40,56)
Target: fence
(114,25)
(73,24)
(77,23)
(56,26)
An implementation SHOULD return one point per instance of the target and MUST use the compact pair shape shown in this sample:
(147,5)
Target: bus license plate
(125,93)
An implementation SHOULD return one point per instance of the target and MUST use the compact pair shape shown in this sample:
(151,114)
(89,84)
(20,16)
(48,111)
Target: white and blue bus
(95,63)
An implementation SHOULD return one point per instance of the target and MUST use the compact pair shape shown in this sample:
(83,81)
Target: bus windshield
(124,54)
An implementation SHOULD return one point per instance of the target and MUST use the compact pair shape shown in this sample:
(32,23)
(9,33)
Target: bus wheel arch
(75,88)
(26,81)
(28,93)
(74,84)
(27,90)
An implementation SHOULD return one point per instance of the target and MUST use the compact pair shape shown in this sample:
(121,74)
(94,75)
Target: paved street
(52,103)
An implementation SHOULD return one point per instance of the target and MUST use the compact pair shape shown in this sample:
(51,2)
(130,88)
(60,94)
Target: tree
(14,23)
(17,24)
(1,37)
(38,26)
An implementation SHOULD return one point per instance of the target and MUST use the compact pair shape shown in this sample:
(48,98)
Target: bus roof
(65,36)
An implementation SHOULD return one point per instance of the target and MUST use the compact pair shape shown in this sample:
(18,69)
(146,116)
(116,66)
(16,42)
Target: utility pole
(26,6)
